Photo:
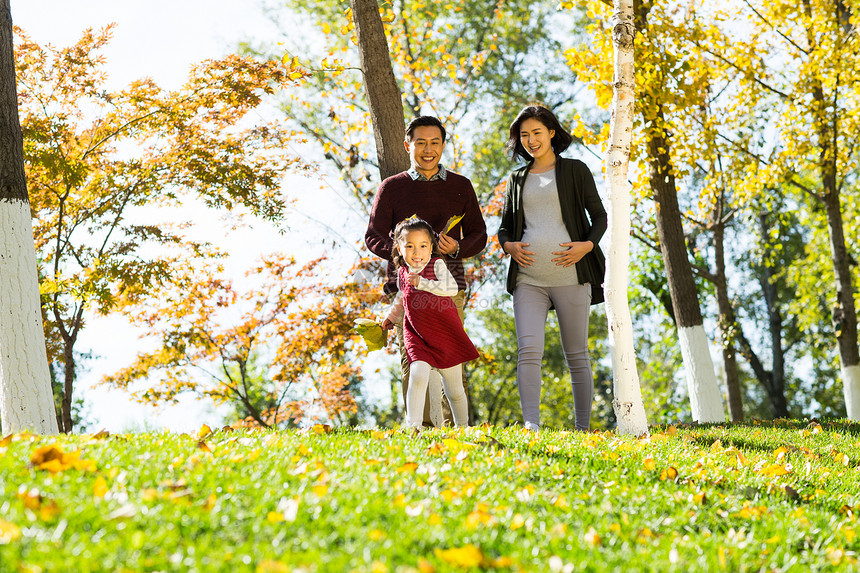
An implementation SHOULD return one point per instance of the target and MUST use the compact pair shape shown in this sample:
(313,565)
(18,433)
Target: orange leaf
(407,467)
(591,537)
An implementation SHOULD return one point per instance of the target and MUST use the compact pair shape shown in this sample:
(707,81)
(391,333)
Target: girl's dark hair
(405,226)
(560,141)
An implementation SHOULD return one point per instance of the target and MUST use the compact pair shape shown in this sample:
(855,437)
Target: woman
(551,223)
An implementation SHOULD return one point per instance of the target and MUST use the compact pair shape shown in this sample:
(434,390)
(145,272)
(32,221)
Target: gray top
(544,230)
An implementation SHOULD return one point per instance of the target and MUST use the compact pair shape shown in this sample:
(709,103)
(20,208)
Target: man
(434,194)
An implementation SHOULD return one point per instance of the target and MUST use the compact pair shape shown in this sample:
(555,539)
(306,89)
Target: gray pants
(572,305)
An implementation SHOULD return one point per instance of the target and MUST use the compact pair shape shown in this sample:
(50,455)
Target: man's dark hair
(423,120)
(559,142)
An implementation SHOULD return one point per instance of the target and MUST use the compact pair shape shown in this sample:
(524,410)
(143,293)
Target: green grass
(757,497)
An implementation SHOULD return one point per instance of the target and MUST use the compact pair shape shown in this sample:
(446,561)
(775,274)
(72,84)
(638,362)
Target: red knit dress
(432,329)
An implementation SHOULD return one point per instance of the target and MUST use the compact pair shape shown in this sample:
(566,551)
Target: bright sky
(159,39)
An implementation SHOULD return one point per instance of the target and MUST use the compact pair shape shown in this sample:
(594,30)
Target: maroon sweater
(400,197)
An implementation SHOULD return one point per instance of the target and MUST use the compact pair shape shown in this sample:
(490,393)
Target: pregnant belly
(543,249)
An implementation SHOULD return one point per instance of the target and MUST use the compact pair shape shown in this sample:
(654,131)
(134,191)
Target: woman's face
(536,138)
(416,247)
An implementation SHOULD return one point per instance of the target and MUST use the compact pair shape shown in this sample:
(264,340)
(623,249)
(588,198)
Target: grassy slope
(735,498)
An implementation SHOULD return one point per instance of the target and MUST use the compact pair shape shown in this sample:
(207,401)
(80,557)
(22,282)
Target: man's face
(425,149)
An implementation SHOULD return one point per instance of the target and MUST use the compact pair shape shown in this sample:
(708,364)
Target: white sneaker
(531,427)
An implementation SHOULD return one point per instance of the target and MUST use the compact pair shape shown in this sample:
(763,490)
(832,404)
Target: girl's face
(416,247)
(536,138)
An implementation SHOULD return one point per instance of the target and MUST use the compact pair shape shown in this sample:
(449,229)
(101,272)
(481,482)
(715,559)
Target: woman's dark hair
(424,120)
(405,226)
(560,141)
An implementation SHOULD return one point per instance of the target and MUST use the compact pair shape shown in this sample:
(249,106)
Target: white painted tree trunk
(26,401)
(629,410)
(851,389)
(706,401)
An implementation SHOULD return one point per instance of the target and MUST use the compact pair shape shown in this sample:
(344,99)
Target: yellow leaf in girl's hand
(372,333)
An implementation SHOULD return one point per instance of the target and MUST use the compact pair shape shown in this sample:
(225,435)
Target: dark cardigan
(577,196)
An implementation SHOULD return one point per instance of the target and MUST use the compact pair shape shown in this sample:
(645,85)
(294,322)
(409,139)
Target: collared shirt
(441,174)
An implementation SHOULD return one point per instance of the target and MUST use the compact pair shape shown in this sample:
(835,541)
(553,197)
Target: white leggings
(572,305)
(452,384)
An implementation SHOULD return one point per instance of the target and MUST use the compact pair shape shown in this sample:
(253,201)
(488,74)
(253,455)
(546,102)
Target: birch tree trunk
(383,94)
(26,401)
(629,410)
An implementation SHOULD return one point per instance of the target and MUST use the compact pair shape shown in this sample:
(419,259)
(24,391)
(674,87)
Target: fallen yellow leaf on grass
(477,518)
(270,566)
(9,532)
(456,446)
(100,488)
(649,463)
(774,470)
(669,473)
(320,490)
(53,459)
(407,467)
(466,557)
(46,509)
(203,432)
(517,522)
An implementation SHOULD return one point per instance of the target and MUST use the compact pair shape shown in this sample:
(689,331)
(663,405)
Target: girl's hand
(414,278)
(387,324)
(517,251)
(575,251)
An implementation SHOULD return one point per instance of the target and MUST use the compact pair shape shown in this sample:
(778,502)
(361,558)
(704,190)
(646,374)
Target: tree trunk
(68,386)
(26,400)
(727,322)
(775,382)
(383,95)
(705,399)
(629,410)
(844,311)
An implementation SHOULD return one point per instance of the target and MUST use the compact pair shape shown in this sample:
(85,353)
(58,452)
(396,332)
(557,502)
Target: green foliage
(748,497)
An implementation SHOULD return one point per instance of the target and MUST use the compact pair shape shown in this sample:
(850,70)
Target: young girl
(432,331)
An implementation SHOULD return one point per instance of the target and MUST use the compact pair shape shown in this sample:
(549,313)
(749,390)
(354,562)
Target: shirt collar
(441,174)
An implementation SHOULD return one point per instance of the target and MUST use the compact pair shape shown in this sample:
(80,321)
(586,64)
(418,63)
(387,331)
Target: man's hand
(575,251)
(517,251)
(447,245)
(387,324)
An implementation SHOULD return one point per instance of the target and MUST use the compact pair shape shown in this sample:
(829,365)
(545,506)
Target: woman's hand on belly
(574,252)
(517,251)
